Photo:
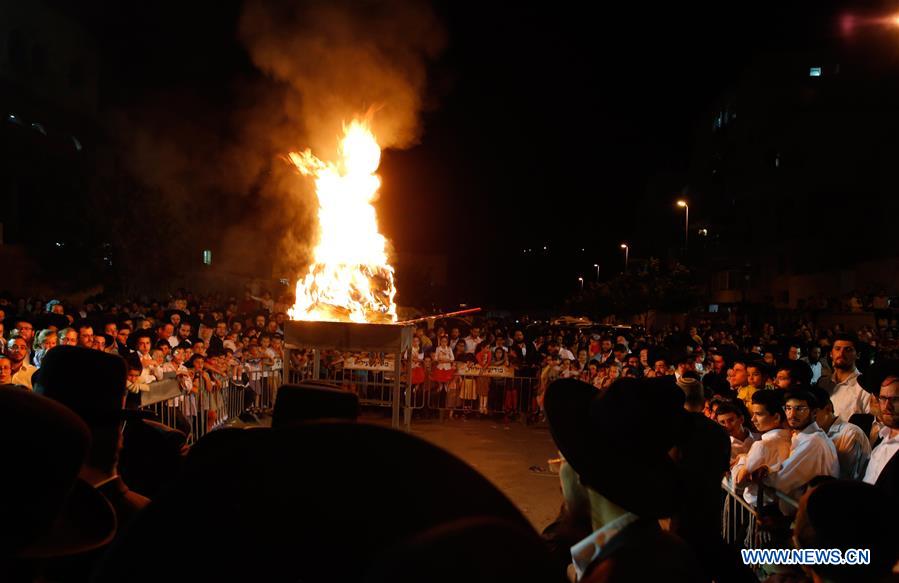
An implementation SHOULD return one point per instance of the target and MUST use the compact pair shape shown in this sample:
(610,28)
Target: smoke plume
(345,58)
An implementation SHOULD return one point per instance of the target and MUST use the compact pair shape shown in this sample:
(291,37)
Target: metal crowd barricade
(743,524)
(200,411)
(513,397)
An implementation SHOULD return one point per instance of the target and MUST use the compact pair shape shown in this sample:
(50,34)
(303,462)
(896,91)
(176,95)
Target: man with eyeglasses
(17,352)
(885,452)
(25,331)
(811,452)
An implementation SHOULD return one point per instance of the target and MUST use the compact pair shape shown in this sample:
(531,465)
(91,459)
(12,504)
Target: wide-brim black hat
(320,501)
(45,509)
(872,380)
(312,401)
(90,382)
(618,440)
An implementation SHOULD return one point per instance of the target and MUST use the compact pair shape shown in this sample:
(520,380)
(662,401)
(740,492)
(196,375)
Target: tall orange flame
(350,279)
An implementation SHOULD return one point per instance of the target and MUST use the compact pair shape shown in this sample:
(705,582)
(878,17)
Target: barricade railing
(205,408)
(511,396)
(749,526)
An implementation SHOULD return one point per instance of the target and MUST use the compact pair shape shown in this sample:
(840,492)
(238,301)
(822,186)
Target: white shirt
(566,354)
(848,397)
(471,344)
(23,375)
(816,372)
(150,373)
(586,551)
(853,448)
(444,358)
(741,446)
(882,454)
(771,450)
(811,454)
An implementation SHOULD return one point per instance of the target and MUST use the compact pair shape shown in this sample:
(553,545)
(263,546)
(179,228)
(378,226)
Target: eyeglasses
(894,401)
(799,409)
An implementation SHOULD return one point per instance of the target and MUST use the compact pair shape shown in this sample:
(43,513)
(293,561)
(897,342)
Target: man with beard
(811,452)
(853,446)
(883,466)
(847,396)
(17,353)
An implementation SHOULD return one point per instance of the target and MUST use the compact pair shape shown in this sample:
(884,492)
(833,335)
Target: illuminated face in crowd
(843,355)
(5,371)
(111,329)
(889,402)
(661,368)
(756,377)
(799,414)
(50,342)
(122,337)
(717,363)
(70,338)
(26,331)
(732,423)
(86,337)
(783,380)
(793,353)
(739,376)
(763,420)
(143,345)
(99,343)
(133,375)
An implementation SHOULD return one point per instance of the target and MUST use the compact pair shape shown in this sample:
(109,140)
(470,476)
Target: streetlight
(596,265)
(581,279)
(683,204)
(626,253)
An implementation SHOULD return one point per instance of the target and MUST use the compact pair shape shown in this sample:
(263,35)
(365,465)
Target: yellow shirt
(745,394)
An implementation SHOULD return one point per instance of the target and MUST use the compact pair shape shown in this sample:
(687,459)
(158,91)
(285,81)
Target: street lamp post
(596,265)
(581,279)
(686,207)
(626,253)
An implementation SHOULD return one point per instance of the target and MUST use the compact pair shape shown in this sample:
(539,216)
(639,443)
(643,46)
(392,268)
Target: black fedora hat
(618,440)
(873,378)
(312,499)
(298,403)
(90,382)
(45,509)
(483,549)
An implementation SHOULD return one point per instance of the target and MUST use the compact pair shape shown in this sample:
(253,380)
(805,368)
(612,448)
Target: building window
(814,72)
(207,257)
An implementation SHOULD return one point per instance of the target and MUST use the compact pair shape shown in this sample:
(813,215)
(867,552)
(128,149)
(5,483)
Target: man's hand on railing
(760,474)
(741,478)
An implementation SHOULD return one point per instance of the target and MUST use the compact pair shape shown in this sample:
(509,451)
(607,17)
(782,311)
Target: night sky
(568,125)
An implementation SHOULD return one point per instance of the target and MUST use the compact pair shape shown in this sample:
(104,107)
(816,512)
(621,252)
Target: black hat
(313,401)
(828,518)
(482,550)
(46,510)
(336,496)
(872,380)
(599,437)
(90,382)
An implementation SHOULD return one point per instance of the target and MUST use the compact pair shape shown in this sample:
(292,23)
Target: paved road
(504,456)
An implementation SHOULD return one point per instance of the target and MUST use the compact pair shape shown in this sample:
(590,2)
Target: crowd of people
(648,422)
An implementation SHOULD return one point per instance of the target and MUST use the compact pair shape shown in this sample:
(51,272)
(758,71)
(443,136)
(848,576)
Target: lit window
(814,72)
(207,257)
